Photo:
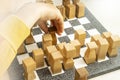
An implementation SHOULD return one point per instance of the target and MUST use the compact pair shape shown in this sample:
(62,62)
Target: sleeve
(12,33)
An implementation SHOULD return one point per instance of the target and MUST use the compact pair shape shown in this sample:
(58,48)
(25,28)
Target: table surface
(106,11)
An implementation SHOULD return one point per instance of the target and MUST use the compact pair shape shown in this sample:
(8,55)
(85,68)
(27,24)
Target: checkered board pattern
(88,24)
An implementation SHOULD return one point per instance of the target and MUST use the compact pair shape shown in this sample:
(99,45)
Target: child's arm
(14,29)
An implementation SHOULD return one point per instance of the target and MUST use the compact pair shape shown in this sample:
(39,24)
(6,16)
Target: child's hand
(40,13)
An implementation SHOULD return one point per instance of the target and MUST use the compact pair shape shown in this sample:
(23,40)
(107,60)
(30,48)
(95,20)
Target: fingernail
(59,33)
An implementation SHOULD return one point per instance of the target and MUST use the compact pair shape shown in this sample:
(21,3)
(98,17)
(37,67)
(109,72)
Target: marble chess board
(92,27)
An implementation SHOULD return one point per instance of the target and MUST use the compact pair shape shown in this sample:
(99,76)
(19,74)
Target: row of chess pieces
(97,49)
(69,9)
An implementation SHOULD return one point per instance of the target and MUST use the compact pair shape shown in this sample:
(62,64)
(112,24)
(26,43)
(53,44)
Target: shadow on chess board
(88,23)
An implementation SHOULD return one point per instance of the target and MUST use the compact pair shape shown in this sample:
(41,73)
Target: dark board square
(64,39)
(74,22)
(30,54)
(88,26)
(69,31)
(100,29)
(36,31)
(39,44)
(44,74)
(87,34)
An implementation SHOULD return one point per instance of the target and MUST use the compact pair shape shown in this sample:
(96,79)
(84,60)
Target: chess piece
(90,54)
(29,39)
(21,49)
(38,56)
(45,1)
(114,42)
(80,35)
(76,1)
(69,51)
(66,2)
(52,31)
(70,11)
(68,63)
(81,74)
(80,9)
(103,46)
(96,37)
(55,62)
(60,47)
(106,35)
(77,45)
(62,10)
(46,41)
(29,66)
(49,51)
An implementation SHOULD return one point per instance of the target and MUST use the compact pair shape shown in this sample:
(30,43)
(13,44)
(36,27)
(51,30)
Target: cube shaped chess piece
(62,11)
(70,11)
(38,56)
(81,74)
(80,35)
(80,9)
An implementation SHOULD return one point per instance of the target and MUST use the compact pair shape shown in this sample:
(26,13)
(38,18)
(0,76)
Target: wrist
(29,14)
(26,19)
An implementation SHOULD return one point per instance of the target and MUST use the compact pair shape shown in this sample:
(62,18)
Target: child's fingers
(43,26)
(59,25)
